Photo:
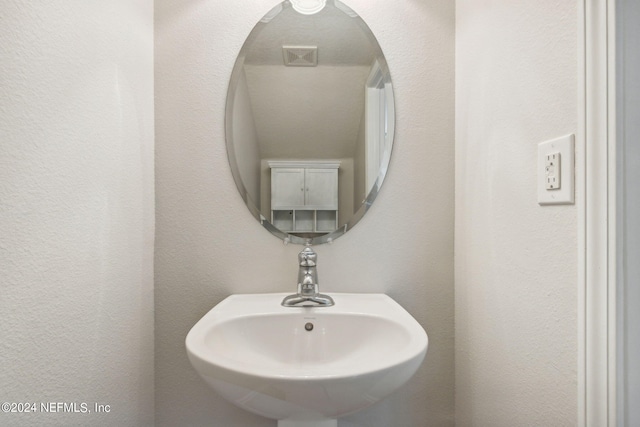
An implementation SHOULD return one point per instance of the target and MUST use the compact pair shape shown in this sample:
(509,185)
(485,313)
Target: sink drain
(308,326)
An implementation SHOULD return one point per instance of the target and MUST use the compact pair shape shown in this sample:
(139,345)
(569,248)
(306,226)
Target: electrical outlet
(552,171)
(556,171)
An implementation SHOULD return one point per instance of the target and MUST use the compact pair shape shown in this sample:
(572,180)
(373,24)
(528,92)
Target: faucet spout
(308,289)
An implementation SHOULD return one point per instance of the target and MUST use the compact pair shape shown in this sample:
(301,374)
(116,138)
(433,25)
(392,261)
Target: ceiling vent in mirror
(300,56)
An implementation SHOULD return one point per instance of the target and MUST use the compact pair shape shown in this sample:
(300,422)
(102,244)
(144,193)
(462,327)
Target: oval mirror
(310,120)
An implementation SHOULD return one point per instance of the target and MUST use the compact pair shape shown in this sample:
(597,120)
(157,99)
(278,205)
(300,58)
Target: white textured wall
(209,246)
(76,209)
(515,263)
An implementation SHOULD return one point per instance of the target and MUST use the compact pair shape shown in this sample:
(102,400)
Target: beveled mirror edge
(231,154)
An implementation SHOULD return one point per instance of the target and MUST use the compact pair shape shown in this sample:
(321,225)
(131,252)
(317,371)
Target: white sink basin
(259,355)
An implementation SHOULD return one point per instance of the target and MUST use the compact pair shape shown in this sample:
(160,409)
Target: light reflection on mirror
(310,121)
(308,7)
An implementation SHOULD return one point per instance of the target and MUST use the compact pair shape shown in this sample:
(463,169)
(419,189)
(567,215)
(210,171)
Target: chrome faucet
(308,290)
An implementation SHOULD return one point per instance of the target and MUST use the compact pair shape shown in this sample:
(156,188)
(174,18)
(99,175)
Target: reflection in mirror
(310,121)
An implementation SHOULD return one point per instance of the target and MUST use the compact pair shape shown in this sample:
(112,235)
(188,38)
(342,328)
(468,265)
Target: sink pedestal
(297,423)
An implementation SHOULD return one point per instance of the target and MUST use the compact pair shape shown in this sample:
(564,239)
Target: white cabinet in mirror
(304,197)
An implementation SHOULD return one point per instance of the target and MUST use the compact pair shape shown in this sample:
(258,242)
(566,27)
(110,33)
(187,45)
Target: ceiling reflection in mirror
(310,121)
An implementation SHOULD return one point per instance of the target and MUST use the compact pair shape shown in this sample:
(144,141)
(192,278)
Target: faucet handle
(307,258)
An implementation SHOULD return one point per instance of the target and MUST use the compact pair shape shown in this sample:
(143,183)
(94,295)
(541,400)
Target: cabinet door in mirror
(310,121)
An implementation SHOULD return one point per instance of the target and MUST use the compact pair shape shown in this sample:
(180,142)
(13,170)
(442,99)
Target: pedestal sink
(306,366)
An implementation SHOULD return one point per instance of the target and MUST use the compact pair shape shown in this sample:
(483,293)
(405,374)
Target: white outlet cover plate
(565,195)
